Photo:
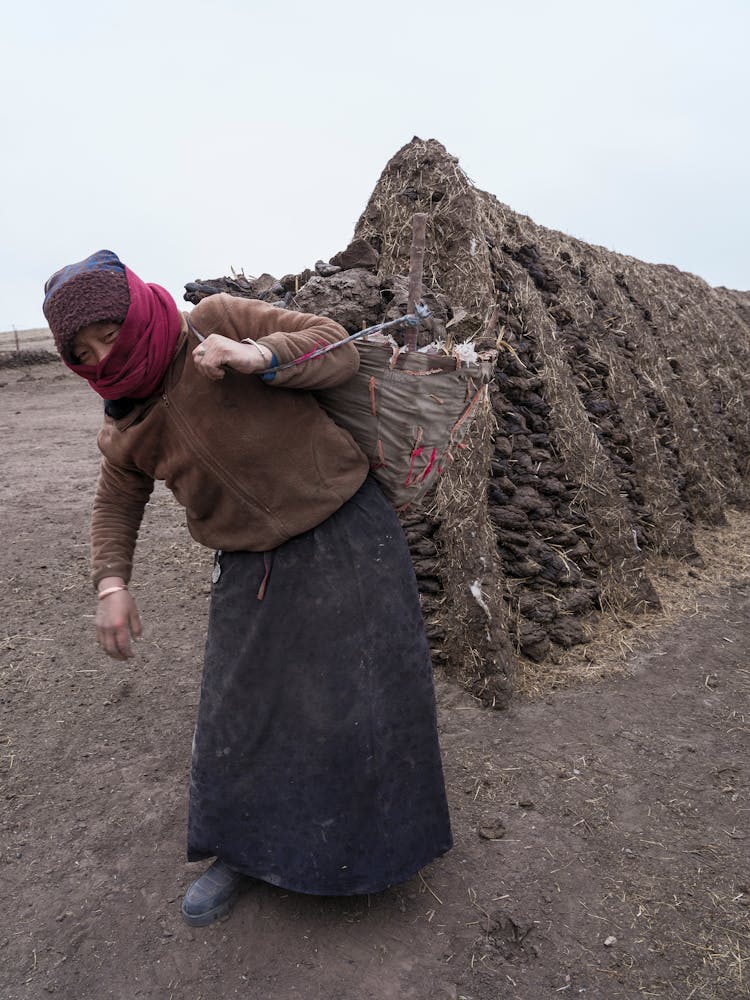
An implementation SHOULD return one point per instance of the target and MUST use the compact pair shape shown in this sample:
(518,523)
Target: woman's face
(92,344)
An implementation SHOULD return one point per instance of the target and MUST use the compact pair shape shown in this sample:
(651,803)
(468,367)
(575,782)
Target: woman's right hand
(117,620)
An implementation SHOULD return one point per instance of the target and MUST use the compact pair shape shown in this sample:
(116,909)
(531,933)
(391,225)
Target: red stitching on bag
(430,464)
(414,456)
(466,415)
(381,455)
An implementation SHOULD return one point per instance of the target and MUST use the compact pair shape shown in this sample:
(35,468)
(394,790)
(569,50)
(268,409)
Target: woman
(315,761)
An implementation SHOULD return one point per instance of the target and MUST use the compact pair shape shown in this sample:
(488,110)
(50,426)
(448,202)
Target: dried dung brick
(511,517)
(359,253)
(566,631)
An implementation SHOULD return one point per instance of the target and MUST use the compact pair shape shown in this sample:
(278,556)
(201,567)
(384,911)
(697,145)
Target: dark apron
(316,764)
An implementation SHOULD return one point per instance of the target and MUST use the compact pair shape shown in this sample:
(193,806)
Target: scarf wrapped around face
(143,348)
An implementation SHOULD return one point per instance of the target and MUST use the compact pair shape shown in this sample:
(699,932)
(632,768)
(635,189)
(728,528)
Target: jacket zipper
(247,498)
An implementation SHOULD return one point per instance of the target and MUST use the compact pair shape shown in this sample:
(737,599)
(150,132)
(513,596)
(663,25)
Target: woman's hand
(117,620)
(216,353)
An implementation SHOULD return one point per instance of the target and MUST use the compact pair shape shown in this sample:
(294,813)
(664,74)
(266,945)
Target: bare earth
(602,831)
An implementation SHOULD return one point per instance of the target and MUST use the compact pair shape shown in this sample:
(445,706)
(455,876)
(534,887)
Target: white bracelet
(259,349)
(108,591)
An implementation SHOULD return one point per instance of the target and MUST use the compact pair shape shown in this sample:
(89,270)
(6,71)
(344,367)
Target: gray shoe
(212,895)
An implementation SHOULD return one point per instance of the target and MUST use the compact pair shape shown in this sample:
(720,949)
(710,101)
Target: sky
(193,138)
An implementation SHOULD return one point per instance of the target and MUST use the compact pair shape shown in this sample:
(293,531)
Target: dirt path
(602,834)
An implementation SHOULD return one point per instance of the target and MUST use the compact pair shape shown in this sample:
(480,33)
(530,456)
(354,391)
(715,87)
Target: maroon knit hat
(93,290)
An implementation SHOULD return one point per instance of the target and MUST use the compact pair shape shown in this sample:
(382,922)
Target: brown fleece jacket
(253,462)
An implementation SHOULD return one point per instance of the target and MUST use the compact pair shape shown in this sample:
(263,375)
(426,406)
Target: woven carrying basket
(406,414)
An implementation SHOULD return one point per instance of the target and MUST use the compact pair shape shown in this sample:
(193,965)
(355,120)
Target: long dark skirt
(316,764)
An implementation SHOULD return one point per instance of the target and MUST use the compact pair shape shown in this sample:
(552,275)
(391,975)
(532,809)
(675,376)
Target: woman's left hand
(216,353)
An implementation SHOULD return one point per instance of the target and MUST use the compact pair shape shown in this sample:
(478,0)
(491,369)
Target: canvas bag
(406,411)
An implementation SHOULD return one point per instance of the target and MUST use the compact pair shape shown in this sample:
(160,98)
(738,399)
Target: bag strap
(412,319)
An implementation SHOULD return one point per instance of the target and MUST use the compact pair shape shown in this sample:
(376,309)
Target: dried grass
(613,638)
(643,373)
(476,647)
(674,355)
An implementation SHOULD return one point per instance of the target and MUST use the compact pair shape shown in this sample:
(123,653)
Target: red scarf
(143,348)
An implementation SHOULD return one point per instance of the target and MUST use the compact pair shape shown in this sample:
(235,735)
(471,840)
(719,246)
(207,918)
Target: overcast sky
(193,137)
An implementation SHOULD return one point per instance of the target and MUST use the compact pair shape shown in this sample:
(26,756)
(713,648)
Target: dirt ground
(601,829)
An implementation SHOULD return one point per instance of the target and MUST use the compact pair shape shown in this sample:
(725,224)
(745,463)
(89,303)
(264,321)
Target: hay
(619,420)
(475,648)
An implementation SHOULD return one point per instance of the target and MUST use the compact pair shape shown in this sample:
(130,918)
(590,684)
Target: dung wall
(619,412)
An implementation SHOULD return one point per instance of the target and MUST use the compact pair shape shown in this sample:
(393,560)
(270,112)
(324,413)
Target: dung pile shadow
(617,419)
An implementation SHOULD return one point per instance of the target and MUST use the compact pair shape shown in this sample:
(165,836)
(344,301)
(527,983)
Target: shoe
(212,895)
